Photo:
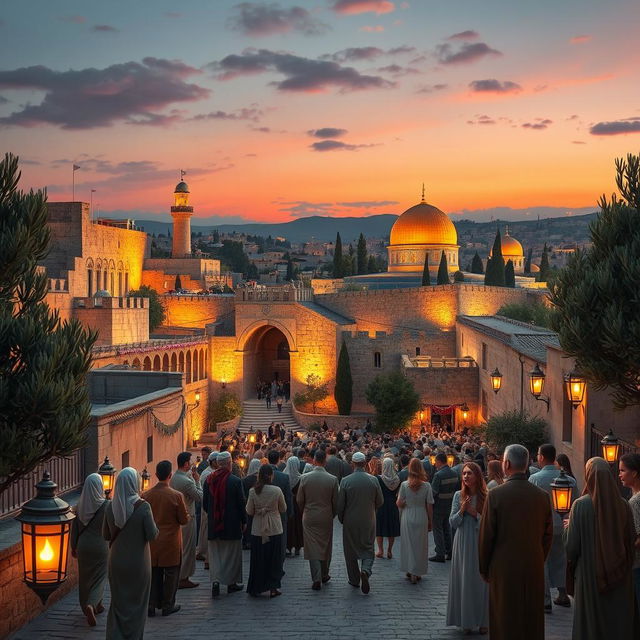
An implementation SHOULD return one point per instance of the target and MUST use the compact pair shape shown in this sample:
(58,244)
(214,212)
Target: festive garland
(169,429)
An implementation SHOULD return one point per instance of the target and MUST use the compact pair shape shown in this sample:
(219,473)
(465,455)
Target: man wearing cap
(318,501)
(359,498)
(224,502)
(203,541)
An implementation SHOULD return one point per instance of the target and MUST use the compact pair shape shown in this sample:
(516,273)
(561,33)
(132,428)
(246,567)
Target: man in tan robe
(318,501)
(169,514)
(516,532)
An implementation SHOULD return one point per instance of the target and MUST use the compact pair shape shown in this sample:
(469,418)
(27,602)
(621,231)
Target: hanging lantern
(576,385)
(536,381)
(252,437)
(610,448)
(465,411)
(450,459)
(241,462)
(146,478)
(432,459)
(197,397)
(421,415)
(46,524)
(107,472)
(561,493)
(496,380)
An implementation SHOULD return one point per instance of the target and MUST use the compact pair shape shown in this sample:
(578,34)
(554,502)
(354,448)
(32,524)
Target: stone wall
(199,311)
(334,422)
(163,282)
(117,320)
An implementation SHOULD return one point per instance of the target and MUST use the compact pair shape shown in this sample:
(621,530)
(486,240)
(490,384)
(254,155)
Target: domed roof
(423,224)
(102,293)
(510,247)
(182,187)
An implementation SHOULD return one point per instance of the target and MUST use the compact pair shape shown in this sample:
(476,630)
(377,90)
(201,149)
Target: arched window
(188,369)
(283,350)
(147,364)
(195,365)
(174,362)
(136,363)
(165,362)
(156,363)
(377,360)
(203,369)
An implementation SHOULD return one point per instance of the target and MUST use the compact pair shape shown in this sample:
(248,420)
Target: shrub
(225,407)
(513,427)
(395,401)
(314,393)
(538,314)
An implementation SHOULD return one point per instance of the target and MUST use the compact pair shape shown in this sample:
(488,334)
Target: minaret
(181,213)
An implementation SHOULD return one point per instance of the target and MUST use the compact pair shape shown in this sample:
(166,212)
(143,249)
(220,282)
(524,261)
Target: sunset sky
(331,107)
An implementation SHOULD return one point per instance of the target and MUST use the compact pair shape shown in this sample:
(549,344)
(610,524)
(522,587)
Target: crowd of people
(279,494)
(278,390)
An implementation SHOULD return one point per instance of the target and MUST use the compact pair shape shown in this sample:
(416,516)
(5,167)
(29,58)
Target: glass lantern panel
(45,552)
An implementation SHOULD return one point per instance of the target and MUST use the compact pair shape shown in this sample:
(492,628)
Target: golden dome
(423,224)
(511,248)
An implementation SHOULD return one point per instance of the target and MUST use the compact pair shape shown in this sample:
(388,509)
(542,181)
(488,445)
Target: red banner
(442,410)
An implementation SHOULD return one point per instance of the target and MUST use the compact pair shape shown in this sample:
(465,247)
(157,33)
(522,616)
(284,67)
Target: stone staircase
(255,414)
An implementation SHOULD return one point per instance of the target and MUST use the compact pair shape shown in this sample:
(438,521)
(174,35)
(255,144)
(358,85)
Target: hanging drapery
(168,428)
(163,416)
(443,410)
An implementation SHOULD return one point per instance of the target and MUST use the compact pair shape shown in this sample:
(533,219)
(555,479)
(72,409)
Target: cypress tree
(343,392)
(371,264)
(43,361)
(509,275)
(488,274)
(338,267)
(527,262)
(443,271)
(426,276)
(545,269)
(476,264)
(362,255)
(178,283)
(495,275)
(290,269)
(351,264)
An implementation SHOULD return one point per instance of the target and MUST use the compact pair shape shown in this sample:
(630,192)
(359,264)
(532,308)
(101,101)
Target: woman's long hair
(265,475)
(417,474)
(495,471)
(375,466)
(481,487)
(564,463)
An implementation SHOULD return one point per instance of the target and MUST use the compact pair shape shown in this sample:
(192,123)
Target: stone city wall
(117,320)
(199,311)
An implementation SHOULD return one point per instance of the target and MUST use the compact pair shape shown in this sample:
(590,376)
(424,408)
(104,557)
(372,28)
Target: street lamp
(465,412)
(610,447)
(561,493)
(197,396)
(146,478)
(496,380)
(536,384)
(107,472)
(576,385)
(46,524)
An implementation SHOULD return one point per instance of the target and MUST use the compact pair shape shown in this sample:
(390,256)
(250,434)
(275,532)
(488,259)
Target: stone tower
(181,213)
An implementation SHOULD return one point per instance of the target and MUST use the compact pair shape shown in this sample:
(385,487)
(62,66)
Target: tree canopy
(395,400)
(443,270)
(494,275)
(338,263)
(343,392)
(476,264)
(156,308)
(426,276)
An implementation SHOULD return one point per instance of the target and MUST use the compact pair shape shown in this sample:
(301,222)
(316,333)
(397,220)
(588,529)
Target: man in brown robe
(169,513)
(516,532)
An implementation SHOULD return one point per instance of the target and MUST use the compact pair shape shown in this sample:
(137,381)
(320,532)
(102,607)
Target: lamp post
(561,493)
(610,448)
(107,472)
(46,524)
(536,384)
(575,385)
(146,478)
(496,380)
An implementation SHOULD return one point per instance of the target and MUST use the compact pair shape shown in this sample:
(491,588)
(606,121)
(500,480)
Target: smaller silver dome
(102,293)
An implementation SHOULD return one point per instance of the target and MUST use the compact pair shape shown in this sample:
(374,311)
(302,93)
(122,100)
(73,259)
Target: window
(484,356)
(90,282)
(567,419)
(461,339)
(149,448)
(417,351)
(377,360)
(484,408)
(125,459)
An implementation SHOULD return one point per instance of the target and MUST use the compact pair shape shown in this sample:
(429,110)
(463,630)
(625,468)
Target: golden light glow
(511,248)
(432,459)
(197,396)
(576,386)
(496,380)
(423,224)
(450,459)
(561,499)
(181,199)
(46,555)
(241,462)
(252,438)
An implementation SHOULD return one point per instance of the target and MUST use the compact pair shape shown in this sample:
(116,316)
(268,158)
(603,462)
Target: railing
(67,473)
(150,345)
(277,293)
(427,362)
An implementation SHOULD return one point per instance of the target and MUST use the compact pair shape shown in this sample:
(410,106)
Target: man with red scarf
(223,501)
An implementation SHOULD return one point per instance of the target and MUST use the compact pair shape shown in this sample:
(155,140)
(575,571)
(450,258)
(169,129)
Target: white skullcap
(358,456)
(212,456)
(223,455)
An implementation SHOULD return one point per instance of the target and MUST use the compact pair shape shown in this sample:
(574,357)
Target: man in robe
(318,501)
(359,498)
(203,541)
(334,464)
(516,532)
(224,502)
(169,514)
(444,484)
(186,481)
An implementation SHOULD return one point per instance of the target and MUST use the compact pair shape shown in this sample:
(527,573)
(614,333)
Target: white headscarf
(389,475)
(91,498)
(292,469)
(254,466)
(125,496)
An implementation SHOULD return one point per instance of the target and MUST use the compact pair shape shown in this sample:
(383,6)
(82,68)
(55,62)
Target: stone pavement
(394,609)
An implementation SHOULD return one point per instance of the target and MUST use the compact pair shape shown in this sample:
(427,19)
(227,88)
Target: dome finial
(422,192)
(506,230)
(182,174)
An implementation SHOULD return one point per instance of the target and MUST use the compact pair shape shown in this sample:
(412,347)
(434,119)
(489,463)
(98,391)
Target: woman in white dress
(468,603)
(415,501)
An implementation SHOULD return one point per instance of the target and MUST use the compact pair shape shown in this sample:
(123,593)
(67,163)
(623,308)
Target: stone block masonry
(199,311)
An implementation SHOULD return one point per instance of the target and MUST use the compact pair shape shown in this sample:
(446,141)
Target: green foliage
(426,276)
(597,295)
(43,361)
(538,313)
(343,392)
(494,275)
(476,264)
(513,427)
(291,270)
(216,236)
(395,400)
(225,407)
(527,262)
(338,264)
(362,255)
(458,276)
(509,275)
(156,308)
(545,269)
(443,270)
(316,391)
(371,264)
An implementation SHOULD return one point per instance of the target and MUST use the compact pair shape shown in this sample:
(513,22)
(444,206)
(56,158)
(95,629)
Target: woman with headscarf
(89,547)
(295,539)
(599,539)
(129,527)
(247,483)
(388,516)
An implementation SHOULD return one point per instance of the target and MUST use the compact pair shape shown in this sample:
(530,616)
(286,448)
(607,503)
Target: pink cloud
(580,39)
(378,28)
(354,7)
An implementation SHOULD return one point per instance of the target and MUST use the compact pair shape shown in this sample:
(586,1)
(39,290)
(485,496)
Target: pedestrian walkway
(256,415)
(394,609)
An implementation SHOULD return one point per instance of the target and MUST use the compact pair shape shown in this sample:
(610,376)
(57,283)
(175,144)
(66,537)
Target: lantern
(450,459)
(610,448)
(46,524)
(107,472)
(561,493)
(231,448)
(197,396)
(241,462)
(252,437)
(496,380)
(576,384)
(465,411)
(421,415)
(536,381)
(432,459)
(145,479)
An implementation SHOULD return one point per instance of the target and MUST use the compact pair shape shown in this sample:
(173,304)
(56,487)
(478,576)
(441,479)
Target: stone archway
(266,357)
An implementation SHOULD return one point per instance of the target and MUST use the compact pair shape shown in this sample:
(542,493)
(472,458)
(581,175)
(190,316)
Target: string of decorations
(169,429)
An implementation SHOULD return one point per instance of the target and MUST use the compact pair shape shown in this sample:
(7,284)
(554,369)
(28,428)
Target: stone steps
(255,414)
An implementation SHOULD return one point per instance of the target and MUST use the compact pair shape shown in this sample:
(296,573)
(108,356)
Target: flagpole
(73,184)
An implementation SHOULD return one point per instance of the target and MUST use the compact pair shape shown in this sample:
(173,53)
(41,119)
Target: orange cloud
(580,39)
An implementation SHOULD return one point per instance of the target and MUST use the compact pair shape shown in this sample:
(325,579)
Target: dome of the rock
(423,224)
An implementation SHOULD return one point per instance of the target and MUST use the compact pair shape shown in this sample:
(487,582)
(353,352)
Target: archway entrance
(266,358)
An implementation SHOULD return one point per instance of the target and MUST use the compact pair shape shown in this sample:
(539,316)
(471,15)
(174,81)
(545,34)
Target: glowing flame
(46,555)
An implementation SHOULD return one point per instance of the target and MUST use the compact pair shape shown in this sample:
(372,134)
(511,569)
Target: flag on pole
(76,167)
(182,174)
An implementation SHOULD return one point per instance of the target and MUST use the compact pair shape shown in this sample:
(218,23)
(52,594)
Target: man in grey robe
(318,500)
(359,498)
(203,541)
(334,464)
(186,481)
